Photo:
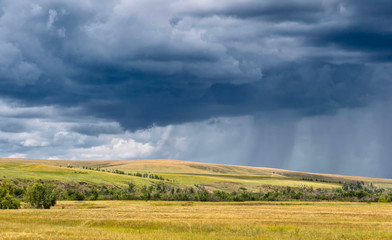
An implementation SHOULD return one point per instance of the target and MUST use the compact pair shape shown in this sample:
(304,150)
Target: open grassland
(181,180)
(182,173)
(186,220)
(49,172)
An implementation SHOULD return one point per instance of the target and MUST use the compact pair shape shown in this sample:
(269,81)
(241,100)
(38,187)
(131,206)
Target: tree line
(116,171)
(44,194)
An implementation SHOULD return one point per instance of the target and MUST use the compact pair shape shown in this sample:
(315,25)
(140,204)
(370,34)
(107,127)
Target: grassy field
(184,220)
(183,173)
(190,220)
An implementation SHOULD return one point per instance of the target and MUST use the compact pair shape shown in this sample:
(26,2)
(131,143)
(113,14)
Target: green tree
(39,195)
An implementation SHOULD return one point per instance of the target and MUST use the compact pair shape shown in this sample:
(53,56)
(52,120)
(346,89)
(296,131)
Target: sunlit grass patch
(178,220)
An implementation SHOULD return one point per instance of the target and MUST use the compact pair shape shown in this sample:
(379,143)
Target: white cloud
(17,155)
(117,148)
(52,18)
(30,142)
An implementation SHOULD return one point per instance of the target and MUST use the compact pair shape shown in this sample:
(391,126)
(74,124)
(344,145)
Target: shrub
(78,196)
(7,201)
(75,195)
(94,195)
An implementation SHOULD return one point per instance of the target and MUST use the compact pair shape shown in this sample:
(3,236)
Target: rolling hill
(180,173)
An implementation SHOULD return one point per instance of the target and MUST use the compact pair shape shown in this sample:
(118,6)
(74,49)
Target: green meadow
(182,173)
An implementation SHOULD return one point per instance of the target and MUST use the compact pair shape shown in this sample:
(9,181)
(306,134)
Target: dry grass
(184,220)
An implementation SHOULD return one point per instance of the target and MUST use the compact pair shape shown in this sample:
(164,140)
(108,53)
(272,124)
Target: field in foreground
(188,220)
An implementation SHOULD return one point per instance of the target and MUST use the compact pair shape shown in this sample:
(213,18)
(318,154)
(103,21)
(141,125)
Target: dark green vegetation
(40,195)
(7,199)
(37,194)
(41,182)
(45,193)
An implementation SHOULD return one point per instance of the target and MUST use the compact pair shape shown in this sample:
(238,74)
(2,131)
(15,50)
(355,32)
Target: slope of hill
(182,173)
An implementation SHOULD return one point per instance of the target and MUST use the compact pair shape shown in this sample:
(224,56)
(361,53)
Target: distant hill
(182,173)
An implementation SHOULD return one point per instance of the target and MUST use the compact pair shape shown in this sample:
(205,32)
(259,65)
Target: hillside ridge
(171,166)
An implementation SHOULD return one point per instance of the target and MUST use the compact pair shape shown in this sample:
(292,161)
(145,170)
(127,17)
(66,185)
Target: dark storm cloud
(274,11)
(375,44)
(310,89)
(141,65)
(358,39)
(379,11)
(12,127)
(96,129)
(365,29)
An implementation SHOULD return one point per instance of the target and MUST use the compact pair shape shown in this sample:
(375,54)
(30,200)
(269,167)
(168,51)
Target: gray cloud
(95,71)
(272,11)
(352,141)
(97,129)
(127,65)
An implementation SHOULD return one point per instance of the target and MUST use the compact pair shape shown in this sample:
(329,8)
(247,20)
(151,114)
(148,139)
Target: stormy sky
(303,85)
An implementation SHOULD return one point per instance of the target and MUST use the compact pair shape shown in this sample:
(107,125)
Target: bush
(7,201)
(78,196)
(41,196)
(94,195)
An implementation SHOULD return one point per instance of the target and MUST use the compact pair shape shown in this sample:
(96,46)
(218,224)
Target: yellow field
(184,220)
